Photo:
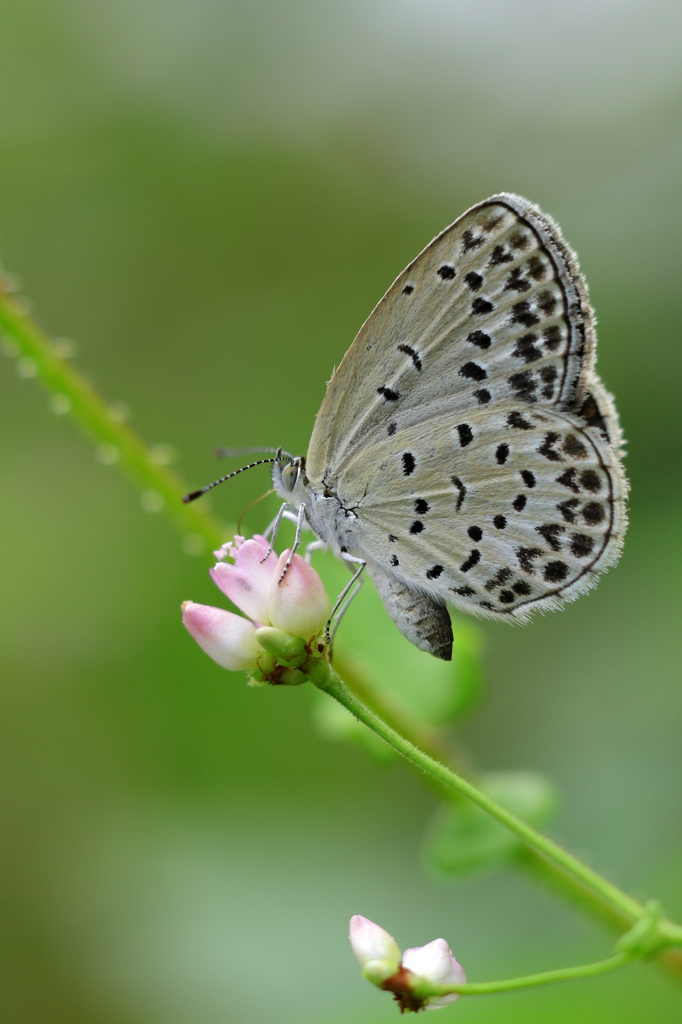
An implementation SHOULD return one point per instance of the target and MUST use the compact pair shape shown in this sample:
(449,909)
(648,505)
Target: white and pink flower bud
(299,603)
(435,965)
(227,638)
(376,951)
(410,977)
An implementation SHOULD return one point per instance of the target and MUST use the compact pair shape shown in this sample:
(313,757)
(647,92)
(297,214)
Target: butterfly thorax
(325,513)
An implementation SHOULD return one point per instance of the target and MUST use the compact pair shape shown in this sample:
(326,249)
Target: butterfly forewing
(492,310)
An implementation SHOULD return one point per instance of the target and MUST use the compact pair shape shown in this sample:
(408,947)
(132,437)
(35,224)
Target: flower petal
(376,951)
(227,638)
(247,582)
(299,604)
(434,962)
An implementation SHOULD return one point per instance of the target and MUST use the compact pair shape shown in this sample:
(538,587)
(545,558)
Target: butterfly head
(289,479)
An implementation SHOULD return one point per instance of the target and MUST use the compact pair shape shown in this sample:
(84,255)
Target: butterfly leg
(285,512)
(300,520)
(315,545)
(346,595)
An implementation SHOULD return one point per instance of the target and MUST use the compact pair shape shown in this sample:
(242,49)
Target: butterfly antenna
(249,507)
(209,487)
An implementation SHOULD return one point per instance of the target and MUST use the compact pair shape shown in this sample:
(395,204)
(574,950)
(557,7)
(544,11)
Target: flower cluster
(286,610)
(408,975)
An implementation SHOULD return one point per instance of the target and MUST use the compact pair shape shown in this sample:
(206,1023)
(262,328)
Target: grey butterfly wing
(488,329)
(494,307)
(523,516)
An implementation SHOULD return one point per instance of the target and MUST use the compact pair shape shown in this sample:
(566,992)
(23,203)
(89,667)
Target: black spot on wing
(516,282)
(461,489)
(519,240)
(581,545)
(417,526)
(547,447)
(483,396)
(555,572)
(516,420)
(500,577)
(479,338)
(552,337)
(409,462)
(526,348)
(408,289)
(394,560)
(500,255)
(590,480)
(574,447)
(502,453)
(434,572)
(547,302)
(567,479)
(507,597)
(567,509)
(521,313)
(466,434)
(388,393)
(421,506)
(392,537)
(537,268)
(464,591)
(551,533)
(524,385)
(471,241)
(391,429)
(413,354)
(475,532)
(525,558)
(593,513)
(481,306)
(472,371)
(446,271)
(521,587)
(499,522)
(528,477)
(473,280)
(519,503)
(473,559)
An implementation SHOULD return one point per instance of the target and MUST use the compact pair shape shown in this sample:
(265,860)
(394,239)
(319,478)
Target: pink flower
(293,601)
(435,964)
(409,977)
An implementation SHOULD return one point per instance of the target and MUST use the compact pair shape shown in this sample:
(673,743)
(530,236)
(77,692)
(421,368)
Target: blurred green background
(209,197)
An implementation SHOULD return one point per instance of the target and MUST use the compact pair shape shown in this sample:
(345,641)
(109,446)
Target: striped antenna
(209,487)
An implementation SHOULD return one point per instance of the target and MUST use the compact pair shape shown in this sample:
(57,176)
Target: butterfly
(466,453)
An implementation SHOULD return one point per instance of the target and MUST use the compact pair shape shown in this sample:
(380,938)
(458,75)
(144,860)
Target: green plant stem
(326,679)
(530,980)
(95,417)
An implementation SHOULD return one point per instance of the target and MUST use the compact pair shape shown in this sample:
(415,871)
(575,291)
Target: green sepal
(464,839)
(289,650)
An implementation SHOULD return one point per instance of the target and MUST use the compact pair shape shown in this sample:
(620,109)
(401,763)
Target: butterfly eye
(289,477)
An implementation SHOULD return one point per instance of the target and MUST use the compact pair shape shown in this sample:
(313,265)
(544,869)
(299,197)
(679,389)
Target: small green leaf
(463,838)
